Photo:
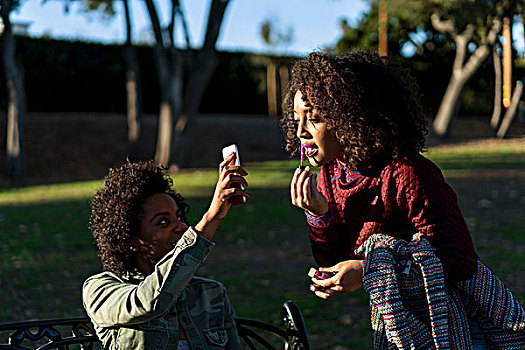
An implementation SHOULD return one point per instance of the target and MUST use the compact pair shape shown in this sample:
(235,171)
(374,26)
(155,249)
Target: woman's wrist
(319,221)
(208,225)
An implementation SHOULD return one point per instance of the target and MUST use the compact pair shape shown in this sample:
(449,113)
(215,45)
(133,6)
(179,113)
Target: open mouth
(309,150)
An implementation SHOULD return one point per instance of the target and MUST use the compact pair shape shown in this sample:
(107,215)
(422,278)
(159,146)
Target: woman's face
(161,227)
(321,146)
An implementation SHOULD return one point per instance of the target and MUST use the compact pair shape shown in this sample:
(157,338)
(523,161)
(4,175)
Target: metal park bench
(78,333)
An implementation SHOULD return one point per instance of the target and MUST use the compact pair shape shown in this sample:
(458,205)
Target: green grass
(262,253)
(469,157)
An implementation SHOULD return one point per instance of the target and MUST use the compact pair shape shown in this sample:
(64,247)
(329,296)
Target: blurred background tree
(132,69)
(183,74)
(433,35)
(277,74)
(183,78)
(16,163)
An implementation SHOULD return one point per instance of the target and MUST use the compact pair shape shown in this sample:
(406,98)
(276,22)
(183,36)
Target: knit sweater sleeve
(431,205)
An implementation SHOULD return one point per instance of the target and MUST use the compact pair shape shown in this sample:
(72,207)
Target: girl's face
(161,227)
(321,146)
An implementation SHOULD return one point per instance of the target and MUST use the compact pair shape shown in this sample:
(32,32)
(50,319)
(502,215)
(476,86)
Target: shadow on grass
(262,252)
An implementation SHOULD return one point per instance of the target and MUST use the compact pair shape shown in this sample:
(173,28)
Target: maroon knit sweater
(409,196)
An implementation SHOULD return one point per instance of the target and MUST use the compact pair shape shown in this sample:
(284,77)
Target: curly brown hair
(115,210)
(369,103)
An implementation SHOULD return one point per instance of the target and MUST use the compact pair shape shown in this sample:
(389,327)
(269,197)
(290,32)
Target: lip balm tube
(320,275)
(302,158)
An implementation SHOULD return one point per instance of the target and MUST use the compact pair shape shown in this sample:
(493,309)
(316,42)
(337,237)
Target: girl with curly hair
(357,117)
(380,213)
(147,297)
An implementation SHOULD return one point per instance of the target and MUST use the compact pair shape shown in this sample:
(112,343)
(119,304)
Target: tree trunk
(461,73)
(284,80)
(134,96)
(133,86)
(511,111)
(496,114)
(163,68)
(457,82)
(448,104)
(183,103)
(271,88)
(165,126)
(179,63)
(17,168)
(200,67)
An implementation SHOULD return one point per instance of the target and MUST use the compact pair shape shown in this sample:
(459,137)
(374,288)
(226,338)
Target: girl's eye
(314,120)
(163,221)
(180,217)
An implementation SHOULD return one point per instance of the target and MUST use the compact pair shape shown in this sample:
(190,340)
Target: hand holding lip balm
(303,187)
(315,274)
(304,148)
(302,157)
(320,275)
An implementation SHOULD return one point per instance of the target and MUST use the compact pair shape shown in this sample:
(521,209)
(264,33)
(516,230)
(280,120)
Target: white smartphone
(226,151)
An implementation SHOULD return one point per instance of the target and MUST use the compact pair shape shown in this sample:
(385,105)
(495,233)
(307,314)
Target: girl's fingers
(302,188)
(307,193)
(301,195)
(312,184)
(236,169)
(232,192)
(334,268)
(227,161)
(326,283)
(233,178)
(293,186)
(324,293)
(308,190)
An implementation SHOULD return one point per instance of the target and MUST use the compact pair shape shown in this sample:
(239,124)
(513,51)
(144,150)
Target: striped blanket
(412,309)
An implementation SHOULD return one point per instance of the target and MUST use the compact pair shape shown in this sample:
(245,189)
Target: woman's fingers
(325,293)
(227,161)
(232,178)
(306,194)
(298,189)
(293,187)
(312,184)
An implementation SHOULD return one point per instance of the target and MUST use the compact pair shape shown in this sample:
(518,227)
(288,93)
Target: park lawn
(262,253)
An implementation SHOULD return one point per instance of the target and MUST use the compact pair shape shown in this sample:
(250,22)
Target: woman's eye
(314,120)
(163,221)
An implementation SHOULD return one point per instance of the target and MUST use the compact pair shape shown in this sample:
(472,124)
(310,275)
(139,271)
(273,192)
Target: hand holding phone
(226,151)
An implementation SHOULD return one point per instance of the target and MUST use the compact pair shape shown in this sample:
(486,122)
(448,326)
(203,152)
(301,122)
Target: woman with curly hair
(381,215)
(147,297)
(357,117)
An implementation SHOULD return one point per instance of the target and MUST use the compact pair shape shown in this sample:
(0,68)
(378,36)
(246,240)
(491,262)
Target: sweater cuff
(321,221)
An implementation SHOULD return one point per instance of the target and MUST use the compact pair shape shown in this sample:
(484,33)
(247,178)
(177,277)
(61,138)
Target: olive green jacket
(144,312)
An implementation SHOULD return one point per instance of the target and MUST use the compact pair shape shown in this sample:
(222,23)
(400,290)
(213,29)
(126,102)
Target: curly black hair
(115,210)
(369,103)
